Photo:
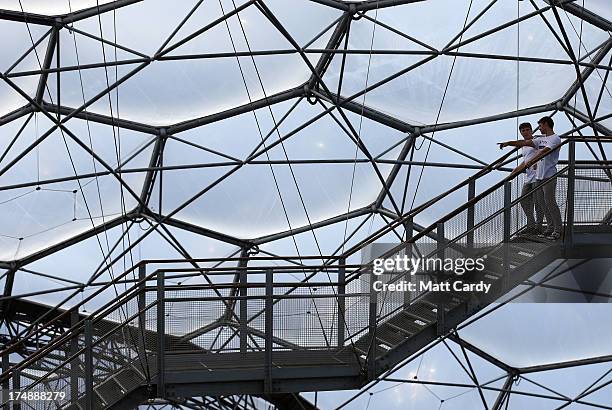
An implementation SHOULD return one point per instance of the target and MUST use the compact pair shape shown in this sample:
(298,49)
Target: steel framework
(20,315)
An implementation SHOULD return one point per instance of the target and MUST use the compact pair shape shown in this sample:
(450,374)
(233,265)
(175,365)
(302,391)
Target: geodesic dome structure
(134,130)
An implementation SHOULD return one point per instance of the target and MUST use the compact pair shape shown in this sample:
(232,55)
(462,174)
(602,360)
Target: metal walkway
(232,328)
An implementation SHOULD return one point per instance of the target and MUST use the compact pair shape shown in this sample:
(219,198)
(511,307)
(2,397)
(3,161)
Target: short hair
(547,120)
(525,125)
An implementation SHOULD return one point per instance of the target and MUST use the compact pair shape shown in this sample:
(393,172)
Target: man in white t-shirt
(528,203)
(546,167)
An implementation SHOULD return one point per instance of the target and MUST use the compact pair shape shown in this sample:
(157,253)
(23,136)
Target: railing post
(506,232)
(409,227)
(373,307)
(89,393)
(341,300)
(243,314)
(17,387)
(440,240)
(470,213)
(5,384)
(142,304)
(507,210)
(441,246)
(269,323)
(74,365)
(571,193)
(161,333)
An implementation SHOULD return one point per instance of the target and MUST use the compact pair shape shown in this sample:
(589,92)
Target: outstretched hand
(502,145)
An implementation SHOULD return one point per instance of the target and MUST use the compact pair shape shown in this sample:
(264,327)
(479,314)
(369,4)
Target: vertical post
(341,300)
(371,353)
(5,384)
(409,227)
(244,312)
(142,300)
(269,322)
(161,333)
(74,365)
(507,210)
(506,232)
(88,365)
(142,315)
(17,387)
(441,246)
(571,193)
(470,213)
(440,240)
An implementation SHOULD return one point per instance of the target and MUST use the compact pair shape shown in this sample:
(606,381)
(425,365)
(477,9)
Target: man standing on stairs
(546,167)
(528,203)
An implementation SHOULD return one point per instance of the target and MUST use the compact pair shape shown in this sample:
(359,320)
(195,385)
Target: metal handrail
(134,291)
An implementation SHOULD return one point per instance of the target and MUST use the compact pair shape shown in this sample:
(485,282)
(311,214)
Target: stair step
(422,310)
(110,390)
(363,346)
(405,323)
(129,378)
(390,336)
(405,332)
(446,298)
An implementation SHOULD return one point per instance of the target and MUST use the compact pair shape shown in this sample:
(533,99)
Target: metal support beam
(142,317)
(573,111)
(380,4)
(330,221)
(89,392)
(440,310)
(504,394)
(16,114)
(161,333)
(341,294)
(372,320)
(507,215)
(4,394)
(332,44)
(470,213)
(42,81)
(490,118)
(30,18)
(408,145)
(17,387)
(409,228)
(586,73)
(154,162)
(264,102)
(186,226)
(369,113)
(74,240)
(269,326)
(75,365)
(583,13)
(103,119)
(96,10)
(571,184)
(8,290)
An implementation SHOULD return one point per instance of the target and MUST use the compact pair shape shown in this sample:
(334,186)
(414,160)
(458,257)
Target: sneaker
(531,230)
(546,233)
(554,236)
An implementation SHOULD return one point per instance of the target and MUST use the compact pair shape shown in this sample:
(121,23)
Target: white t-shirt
(547,166)
(528,154)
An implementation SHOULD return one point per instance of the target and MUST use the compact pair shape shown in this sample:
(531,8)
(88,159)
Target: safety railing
(159,325)
(175,314)
(39,330)
(489,220)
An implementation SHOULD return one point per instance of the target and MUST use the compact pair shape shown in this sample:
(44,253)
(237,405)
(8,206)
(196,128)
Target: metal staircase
(182,330)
